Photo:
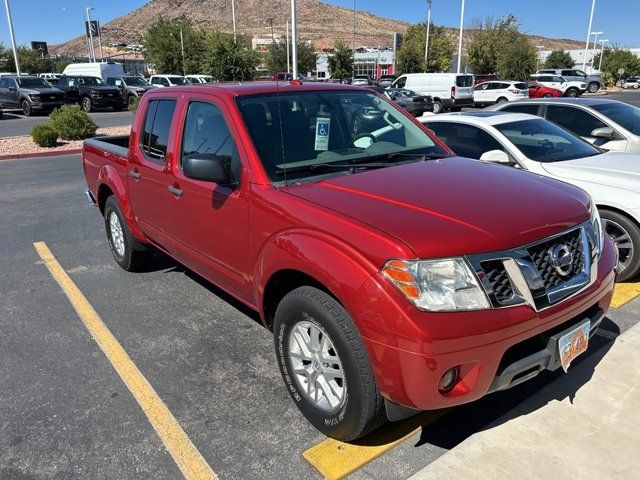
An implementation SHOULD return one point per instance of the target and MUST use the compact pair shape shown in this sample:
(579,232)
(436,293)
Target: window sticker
(323,124)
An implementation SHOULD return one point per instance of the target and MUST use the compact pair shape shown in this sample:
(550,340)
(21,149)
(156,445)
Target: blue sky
(56,21)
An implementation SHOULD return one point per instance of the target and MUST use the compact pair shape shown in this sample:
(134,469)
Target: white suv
(499,91)
(167,80)
(568,88)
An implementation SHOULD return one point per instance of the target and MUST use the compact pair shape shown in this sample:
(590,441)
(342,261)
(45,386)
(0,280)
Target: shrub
(72,123)
(44,135)
(134,105)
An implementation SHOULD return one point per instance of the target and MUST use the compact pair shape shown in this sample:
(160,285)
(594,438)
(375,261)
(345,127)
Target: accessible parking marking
(190,461)
(335,459)
(624,293)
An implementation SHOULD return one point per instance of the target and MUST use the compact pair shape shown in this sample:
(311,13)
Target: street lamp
(288,47)
(233,19)
(426,46)
(586,47)
(602,54)
(92,53)
(294,40)
(460,38)
(13,38)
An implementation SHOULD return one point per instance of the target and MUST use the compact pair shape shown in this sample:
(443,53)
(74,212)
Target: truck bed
(105,152)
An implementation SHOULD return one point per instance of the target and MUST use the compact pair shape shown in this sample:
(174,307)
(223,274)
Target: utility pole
(426,46)
(595,46)
(586,47)
(602,54)
(100,42)
(294,40)
(460,39)
(233,19)
(353,55)
(288,54)
(92,53)
(184,72)
(273,37)
(16,57)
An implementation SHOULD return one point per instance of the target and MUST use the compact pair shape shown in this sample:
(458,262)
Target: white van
(448,90)
(101,70)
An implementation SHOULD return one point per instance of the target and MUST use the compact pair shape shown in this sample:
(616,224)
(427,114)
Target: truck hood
(43,91)
(453,206)
(614,169)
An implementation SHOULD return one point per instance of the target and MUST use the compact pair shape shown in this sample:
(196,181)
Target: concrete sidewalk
(584,425)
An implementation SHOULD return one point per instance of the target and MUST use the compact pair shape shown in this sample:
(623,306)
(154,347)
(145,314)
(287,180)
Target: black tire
(438,107)
(27,111)
(547,95)
(134,256)
(572,92)
(593,87)
(361,409)
(502,100)
(614,224)
(87,104)
(131,99)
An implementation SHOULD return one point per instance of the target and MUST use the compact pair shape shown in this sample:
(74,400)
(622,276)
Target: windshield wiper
(327,166)
(422,156)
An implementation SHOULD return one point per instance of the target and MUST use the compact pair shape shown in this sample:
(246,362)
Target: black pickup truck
(130,87)
(90,92)
(30,94)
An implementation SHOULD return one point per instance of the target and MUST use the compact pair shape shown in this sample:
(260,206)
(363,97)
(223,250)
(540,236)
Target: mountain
(319,22)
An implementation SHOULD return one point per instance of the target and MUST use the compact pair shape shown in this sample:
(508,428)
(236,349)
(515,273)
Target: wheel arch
(601,206)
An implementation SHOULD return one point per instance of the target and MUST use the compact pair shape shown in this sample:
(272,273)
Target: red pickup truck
(395,276)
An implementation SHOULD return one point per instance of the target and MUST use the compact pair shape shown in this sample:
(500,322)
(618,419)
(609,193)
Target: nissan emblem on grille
(561,259)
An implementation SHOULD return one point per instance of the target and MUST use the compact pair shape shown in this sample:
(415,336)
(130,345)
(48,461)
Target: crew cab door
(210,221)
(9,94)
(149,173)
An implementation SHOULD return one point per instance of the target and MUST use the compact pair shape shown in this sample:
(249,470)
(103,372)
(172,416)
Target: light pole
(92,53)
(602,54)
(353,47)
(540,48)
(460,38)
(294,40)
(13,38)
(426,45)
(184,72)
(595,45)
(288,54)
(233,19)
(586,47)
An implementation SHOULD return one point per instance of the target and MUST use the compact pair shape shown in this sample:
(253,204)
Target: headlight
(35,97)
(437,285)
(95,94)
(597,236)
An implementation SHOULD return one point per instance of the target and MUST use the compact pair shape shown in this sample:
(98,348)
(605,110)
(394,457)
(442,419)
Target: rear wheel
(26,108)
(437,106)
(593,87)
(325,366)
(128,253)
(626,237)
(547,95)
(502,100)
(131,99)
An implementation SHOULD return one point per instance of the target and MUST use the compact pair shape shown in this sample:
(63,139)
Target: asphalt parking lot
(14,123)
(67,414)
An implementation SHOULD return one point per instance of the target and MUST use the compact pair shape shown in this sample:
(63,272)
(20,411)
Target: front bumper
(410,350)
(46,106)
(115,101)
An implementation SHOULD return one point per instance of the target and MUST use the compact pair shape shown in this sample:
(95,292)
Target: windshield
(26,82)
(627,116)
(91,81)
(299,134)
(543,141)
(178,80)
(136,82)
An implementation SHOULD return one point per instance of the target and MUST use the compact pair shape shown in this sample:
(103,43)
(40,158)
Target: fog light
(448,380)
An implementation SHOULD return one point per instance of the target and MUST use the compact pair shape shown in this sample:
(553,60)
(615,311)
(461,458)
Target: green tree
(164,50)
(227,60)
(277,57)
(616,58)
(410,56)
(489,38)
(559,59)
(518,59)
(30,60)
(341,62)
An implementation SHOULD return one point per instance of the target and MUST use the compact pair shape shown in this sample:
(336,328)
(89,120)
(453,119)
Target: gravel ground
(24,144)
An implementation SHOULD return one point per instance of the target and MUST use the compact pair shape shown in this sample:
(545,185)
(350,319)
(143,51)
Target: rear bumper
(410,350)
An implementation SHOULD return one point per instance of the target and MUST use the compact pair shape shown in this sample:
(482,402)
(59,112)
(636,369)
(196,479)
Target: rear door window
(465,140)
(531,109)
(157,124)
(574,119)
(464,81)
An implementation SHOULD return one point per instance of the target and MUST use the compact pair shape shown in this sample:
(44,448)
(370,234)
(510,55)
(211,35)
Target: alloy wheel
(316,366)
(622,241)
(117,235)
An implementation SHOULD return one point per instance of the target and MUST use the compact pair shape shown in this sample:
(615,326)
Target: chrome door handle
(175,191)
(135,174)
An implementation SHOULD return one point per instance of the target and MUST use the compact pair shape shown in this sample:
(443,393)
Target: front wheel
(127,252)
(26,108)
(572,92)
(437,106)
(87,104)
(325,366)
(626,237)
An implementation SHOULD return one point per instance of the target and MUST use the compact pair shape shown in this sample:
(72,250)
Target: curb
(40,154)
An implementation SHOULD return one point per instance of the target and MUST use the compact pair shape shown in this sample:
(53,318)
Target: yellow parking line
(624,292)
(183,451)
(335,459)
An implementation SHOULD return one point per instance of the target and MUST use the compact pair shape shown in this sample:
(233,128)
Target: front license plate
(573,344)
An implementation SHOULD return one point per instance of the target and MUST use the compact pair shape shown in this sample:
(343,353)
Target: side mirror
(12,89)
(208,167)
(495,156)
(606,133)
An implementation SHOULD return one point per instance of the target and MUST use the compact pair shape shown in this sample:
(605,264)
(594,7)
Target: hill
(317,21)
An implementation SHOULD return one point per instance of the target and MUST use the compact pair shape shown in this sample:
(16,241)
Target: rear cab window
(155,133)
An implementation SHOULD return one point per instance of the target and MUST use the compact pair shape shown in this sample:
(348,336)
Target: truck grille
(541,256)
(498,279)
